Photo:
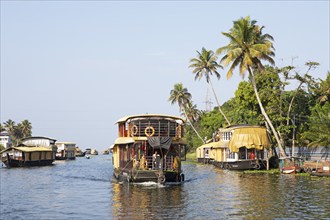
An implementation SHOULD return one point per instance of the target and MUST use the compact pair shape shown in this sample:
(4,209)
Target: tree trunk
(216,99)
(184,111)
(263,112)
(291,103)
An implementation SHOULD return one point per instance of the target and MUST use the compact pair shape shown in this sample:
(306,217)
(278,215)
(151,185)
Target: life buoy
(149,131)
(134,130)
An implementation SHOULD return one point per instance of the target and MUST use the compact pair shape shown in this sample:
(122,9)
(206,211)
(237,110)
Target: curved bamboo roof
(160,116)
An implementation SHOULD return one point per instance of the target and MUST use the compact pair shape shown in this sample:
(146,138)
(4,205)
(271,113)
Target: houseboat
(149,147)
(65,151)
(237,147)
(27,156)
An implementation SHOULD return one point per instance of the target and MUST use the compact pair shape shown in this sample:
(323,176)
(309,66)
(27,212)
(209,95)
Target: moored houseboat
(237,147)
(205,153)
(27,156)
(149,147)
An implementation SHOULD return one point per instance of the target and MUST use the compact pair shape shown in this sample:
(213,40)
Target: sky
(73,68)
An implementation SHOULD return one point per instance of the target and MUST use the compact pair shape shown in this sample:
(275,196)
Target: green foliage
(318,133)
(286,112)
(19,131)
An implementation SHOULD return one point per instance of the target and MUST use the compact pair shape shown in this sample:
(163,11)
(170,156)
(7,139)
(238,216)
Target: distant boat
(87,156)
(94,152)
(27,156)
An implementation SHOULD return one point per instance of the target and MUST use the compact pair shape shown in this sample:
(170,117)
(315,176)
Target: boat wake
(150,183)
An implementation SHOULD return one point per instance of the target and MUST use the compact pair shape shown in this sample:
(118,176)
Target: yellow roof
(28,149)
(217,144)
(238,126)
(149,116)
(249,137)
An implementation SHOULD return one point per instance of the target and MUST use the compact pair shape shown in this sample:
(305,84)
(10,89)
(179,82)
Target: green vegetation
(191,156)
(300,117)
(271,171)
(17,131)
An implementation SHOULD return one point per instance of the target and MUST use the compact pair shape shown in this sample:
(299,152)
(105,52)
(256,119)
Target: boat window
(231,155)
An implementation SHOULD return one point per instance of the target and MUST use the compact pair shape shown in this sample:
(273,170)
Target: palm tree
(26,128)
(180,95)
(247,47)
(205,65)
(10,126)
(319,129)
(192,112)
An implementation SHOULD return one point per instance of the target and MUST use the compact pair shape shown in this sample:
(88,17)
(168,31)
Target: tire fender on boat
(161,179)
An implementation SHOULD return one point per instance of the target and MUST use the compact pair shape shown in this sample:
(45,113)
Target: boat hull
(21,163)
(241,165)
(205,160)
(320,174)
(139,176)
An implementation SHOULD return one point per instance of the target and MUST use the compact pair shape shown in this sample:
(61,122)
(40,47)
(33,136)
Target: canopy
(160,142)
(160,116)
(124,140)
(250,138)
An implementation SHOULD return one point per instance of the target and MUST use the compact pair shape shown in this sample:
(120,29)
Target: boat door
(207,152)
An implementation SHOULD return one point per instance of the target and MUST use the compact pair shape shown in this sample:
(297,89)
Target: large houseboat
(149,147)
(23,156)
(237,147)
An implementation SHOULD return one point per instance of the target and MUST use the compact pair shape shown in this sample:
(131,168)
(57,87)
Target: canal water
(86,189)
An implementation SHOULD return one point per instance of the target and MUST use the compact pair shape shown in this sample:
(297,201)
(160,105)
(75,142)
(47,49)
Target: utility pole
(207,101)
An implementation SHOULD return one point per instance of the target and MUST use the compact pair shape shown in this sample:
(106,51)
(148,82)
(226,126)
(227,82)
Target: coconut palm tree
(192,112)
(26,128)
(205,64)
(10,126)
(180,95)
(319,129)
(247,47)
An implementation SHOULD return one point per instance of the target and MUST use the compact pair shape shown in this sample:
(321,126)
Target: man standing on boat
(155,160)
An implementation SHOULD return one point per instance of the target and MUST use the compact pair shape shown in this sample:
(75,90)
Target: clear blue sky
(73,68)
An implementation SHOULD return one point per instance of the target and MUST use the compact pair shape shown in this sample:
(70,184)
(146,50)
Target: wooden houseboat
(237,147)
(27,156)
(149,147)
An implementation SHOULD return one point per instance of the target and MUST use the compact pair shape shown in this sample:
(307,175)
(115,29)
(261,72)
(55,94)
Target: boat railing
(157,129)
(166,163)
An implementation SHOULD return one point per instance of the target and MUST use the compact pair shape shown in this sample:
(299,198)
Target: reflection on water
(86,189)
(143,201)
